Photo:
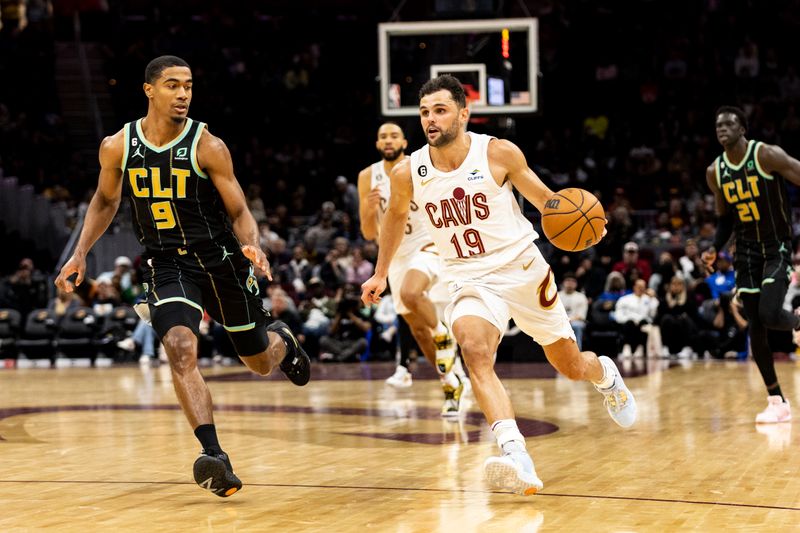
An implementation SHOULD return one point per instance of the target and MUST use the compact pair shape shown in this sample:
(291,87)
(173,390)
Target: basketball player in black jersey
(749,185)
(201,243)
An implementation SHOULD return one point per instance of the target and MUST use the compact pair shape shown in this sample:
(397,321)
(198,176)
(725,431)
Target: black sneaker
(296,365)
(213,471)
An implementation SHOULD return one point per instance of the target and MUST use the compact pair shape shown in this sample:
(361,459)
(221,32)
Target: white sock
(509,439)
(608,377)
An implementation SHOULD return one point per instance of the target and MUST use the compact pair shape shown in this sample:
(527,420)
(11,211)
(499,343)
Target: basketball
(573,220)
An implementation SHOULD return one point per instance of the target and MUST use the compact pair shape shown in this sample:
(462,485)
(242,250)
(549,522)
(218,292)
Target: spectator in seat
(677,317)
(347,336)
(576,304)
(632,312)
(25,289)
(631,261)
(724,278)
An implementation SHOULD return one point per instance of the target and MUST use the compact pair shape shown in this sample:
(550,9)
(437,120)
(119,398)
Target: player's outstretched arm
(369,201)
(392,230)
(101,211)
(214,157)
(773,158)
(506,159)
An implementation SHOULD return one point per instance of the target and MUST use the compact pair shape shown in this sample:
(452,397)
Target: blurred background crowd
(627,100)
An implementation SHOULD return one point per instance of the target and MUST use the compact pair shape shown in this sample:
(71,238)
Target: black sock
(207,435)
(775,390)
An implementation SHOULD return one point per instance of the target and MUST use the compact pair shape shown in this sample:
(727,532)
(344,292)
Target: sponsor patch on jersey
(182,154)
(475,175)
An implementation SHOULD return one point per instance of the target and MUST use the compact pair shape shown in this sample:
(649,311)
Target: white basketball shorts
(523,289)
(429,264)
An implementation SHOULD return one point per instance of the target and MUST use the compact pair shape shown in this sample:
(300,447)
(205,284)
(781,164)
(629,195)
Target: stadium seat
(77,332)
(37,337)
(10,320)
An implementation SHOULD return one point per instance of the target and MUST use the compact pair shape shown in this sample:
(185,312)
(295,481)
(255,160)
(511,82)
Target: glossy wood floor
(107,449)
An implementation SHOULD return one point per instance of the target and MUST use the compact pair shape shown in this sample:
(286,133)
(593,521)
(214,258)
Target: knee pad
(250,342)
(174,314)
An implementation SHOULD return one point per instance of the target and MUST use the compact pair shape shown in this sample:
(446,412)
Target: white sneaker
(778,410)
(619,401)
(144,360)
(639,352)
(401,379)
(514,472)
(127,344)
(686,353)
(626,352)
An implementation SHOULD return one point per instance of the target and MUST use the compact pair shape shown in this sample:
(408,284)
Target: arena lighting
(504,43)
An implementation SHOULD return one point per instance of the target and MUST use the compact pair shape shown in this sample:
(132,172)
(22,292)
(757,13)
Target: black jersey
(759,200)
(173,202)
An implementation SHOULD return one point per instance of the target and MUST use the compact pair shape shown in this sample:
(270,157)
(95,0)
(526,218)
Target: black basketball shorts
(221,281)
(760,263)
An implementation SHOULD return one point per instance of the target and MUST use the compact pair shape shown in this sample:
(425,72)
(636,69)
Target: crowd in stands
(626,112)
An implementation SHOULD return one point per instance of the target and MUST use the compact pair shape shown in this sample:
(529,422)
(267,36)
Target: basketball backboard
(496,60)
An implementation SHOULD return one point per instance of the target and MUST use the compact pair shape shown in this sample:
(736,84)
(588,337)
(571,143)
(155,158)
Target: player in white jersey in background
(464,183)
(414,273)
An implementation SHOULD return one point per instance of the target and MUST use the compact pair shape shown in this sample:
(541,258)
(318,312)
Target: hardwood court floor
(108,450)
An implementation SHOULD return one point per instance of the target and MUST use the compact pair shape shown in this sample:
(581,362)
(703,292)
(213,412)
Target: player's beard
(446,137)
(392,156)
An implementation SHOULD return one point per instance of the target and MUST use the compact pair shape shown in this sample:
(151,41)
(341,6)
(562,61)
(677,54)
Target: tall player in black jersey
(201,243)
(749,185)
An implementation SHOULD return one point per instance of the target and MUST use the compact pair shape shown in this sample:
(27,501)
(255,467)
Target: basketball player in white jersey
(464,184)
(414,272)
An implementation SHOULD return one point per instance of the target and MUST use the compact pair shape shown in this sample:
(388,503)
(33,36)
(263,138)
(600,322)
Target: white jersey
(477,225)
(416,235)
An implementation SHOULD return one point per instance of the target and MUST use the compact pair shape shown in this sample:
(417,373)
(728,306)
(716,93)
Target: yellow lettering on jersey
(752,182)
(727,191)
(743,195)
(133,175)
(158,190)
(180,177)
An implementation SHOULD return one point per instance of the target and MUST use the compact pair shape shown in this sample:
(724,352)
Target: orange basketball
(573,220)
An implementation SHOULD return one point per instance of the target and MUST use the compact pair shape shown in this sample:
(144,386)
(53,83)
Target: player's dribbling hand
(75,265)
(259,259)
(709,257)
(372,289)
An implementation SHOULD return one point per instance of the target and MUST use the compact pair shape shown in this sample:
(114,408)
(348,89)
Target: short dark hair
(446,82)
(393,123)
(157,66)
(734,111)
